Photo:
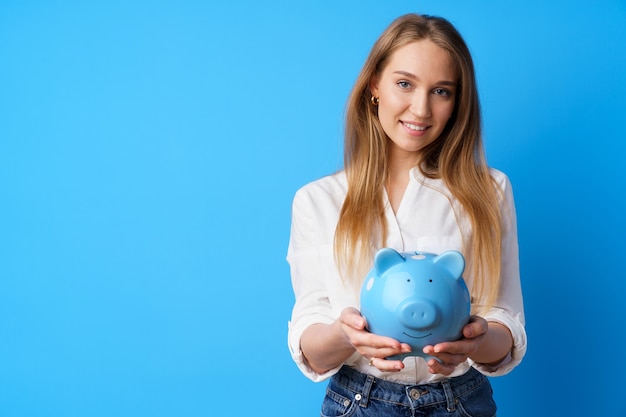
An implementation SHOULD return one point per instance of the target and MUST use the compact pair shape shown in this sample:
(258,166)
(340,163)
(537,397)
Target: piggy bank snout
(419,314)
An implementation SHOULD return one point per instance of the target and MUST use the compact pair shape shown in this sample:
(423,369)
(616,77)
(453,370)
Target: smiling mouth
(415,127)
(416,337)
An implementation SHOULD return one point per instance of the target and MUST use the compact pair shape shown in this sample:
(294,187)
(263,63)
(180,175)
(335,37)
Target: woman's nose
(420,105)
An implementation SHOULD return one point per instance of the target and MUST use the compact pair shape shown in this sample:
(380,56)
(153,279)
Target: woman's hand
(372,346)
(452,354)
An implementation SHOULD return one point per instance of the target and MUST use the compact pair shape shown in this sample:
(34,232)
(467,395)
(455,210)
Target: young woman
(415,179)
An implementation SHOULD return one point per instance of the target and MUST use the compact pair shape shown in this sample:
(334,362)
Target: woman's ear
(373,84)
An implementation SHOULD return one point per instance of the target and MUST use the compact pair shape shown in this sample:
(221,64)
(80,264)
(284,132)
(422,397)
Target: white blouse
(428,219)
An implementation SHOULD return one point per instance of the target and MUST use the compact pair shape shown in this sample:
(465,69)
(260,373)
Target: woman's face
(416,92)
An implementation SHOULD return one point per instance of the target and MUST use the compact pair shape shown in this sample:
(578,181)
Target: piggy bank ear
(453,261)
(386,258)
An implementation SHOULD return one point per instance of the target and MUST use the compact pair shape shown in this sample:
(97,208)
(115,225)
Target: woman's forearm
(325,346)
(497,345)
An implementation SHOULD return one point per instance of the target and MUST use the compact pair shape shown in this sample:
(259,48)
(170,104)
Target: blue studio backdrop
(149,152)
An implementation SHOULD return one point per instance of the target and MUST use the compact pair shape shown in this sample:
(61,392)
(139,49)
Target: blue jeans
(351,393)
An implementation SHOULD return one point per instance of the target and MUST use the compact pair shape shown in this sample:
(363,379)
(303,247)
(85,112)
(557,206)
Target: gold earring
(374,100)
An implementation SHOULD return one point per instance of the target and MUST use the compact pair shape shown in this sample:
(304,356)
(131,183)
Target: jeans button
(357,397)
(414,393)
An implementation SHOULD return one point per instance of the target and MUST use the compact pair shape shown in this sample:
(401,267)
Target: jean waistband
(446,390)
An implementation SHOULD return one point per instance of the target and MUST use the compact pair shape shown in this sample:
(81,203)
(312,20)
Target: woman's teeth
(414,127)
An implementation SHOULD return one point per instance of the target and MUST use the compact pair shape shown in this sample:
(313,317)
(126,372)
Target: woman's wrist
(325,346)
(496,347)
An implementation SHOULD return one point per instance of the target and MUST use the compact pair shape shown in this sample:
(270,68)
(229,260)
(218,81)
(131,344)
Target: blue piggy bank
(416,298)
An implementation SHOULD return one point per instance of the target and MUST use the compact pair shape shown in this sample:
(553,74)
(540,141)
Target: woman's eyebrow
(413,76)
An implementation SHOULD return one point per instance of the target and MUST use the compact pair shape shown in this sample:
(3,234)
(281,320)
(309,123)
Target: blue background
(149,152)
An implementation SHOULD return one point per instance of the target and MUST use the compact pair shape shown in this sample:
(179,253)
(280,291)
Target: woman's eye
(404,84)
(441,92)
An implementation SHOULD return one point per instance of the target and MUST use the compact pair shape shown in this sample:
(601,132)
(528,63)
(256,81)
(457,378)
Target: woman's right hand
(374,347)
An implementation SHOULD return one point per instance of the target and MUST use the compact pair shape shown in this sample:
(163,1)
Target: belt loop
(447,389)
(367,387)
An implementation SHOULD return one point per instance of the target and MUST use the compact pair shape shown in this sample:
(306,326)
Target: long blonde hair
(457,157)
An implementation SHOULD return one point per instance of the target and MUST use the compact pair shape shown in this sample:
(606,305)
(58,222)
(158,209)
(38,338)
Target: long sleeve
(314,214)
(509,308)
(427,220)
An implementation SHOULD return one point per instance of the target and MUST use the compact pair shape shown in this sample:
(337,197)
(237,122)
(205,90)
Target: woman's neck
(398,177)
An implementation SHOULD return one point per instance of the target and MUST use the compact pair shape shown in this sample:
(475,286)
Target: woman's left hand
(453,353)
